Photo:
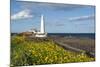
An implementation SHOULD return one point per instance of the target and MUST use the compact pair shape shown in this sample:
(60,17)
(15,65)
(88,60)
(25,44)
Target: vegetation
(37,51)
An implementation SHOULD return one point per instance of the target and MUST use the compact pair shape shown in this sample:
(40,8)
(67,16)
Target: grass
(41,51)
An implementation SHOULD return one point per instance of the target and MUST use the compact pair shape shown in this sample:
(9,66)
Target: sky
(59,18)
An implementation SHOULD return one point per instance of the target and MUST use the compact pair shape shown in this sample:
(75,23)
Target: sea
(83,35)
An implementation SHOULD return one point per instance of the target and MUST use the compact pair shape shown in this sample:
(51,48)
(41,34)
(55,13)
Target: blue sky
(59,18)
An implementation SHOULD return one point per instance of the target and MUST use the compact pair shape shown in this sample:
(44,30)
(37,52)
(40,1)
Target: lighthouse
(42,32)
(42,29)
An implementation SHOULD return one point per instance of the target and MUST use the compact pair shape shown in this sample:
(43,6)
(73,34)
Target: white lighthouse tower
(41,33)
(42,25)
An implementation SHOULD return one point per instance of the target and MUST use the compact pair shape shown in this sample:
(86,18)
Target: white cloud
(24,14)
(80,18)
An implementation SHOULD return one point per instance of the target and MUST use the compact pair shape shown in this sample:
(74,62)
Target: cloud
(81,18)
(24,14)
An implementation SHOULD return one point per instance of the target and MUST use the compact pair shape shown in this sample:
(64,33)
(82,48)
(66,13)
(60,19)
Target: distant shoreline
(60,33)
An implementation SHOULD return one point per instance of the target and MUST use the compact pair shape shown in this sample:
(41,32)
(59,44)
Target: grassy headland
(37,51)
